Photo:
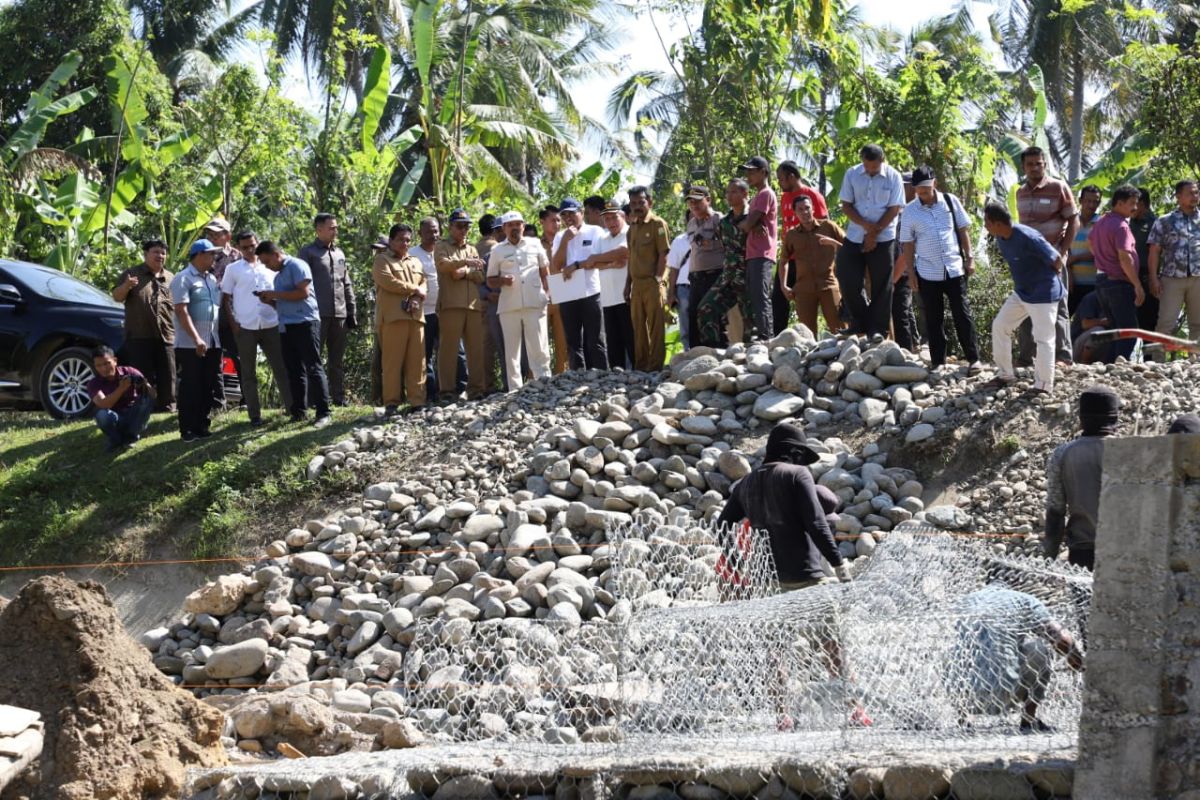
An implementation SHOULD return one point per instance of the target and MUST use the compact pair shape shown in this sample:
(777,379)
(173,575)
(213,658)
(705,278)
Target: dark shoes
(188,436)
(257,422)
(322,422)
(1035,726)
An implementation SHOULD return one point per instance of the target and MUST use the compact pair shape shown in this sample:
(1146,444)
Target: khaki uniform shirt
(448,257)
(648,241)
(396,280)
(149,313)
(814,260)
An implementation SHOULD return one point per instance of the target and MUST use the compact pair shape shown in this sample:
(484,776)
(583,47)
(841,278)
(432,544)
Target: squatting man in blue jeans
(122,397)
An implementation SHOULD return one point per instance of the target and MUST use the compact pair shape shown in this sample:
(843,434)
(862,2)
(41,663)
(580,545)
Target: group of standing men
(235,297)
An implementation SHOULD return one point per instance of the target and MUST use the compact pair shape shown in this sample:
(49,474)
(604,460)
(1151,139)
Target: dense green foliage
(146,118)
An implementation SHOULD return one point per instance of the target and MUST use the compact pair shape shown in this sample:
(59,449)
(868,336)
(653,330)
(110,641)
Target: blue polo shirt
(200,293)
(1031,260)
(292,312)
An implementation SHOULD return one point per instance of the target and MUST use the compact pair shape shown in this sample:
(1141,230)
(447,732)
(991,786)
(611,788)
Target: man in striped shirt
(935,235)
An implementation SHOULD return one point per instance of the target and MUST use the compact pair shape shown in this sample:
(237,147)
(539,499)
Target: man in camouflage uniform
(730,288)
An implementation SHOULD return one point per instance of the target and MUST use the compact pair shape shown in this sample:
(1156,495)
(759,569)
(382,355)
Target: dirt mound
(116,728)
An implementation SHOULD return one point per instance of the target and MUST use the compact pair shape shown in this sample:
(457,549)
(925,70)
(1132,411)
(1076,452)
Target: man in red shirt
(1115,252)
(791,186)
(122,398)
(762,241)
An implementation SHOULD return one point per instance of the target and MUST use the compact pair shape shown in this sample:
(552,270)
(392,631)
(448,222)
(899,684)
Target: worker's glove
(843,573)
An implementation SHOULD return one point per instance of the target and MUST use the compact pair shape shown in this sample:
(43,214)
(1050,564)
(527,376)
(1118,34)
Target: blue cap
(201,246)
(570,204)
(459,215)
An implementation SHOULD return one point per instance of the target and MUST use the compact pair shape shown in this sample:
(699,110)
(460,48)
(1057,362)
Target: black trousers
(618,336)
(934,295)
(853,266)
(197,374)
(302,358)
(230,350)
(904,317)
(1081,557)
(155,359)
(701,282)
(334,335)
(584,323)
(781,307)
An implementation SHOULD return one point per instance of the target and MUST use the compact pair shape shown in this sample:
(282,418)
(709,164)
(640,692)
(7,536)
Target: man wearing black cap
(582,314)
(872,195)
(1073,480)
(762,242)
(781,498)
(649,242)
(460,271)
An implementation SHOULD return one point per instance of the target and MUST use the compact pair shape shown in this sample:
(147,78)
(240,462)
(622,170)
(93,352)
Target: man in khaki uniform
(400,289)
(518,267)
(460,271)
(548,216)
(646,288)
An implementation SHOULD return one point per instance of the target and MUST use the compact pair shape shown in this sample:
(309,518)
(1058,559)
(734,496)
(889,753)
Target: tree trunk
(1078,79)
(821,155)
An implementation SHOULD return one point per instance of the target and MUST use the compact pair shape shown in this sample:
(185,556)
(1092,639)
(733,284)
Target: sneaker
(975,368)
(188,436)
(257,422)
(1035,726)
(322,422)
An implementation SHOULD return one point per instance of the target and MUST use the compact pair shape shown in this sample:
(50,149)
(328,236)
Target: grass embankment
(64,500)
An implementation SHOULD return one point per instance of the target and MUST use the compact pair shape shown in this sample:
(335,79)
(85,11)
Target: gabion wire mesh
(705,682)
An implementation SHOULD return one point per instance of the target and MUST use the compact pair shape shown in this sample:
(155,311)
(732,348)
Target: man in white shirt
(254,324)
(679,296)
(582,315)
(518,268)
(428,232)
(612,260)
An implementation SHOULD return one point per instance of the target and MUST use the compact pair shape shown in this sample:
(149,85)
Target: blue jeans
(683,293)
(1118,299)
(125,426)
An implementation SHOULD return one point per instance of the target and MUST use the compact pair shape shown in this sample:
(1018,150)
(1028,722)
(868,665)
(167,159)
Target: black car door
(13,329)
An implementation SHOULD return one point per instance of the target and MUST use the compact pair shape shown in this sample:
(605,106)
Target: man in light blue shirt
(936,241)
(872,194)
(300,331)
(197,300)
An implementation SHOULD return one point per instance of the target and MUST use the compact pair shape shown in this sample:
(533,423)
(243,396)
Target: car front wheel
(64,383)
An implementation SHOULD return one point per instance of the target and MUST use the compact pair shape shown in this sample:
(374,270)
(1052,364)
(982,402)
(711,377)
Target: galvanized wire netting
(929,656)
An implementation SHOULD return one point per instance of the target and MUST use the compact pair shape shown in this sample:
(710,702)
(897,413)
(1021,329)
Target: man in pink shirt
(1115,253)
(761,243)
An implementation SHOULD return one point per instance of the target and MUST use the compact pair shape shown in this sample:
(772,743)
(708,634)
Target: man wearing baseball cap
(872,196)
(612,259)
(518,269)
(583,317)
(197,299)
(220,234)
(460,271)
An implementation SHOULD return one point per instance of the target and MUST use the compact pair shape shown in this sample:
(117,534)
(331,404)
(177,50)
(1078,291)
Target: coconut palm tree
(1073,46)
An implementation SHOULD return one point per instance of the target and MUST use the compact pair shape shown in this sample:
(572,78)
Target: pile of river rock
(504,523)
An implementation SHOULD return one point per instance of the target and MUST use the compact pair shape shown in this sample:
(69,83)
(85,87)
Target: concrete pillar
(1140,729)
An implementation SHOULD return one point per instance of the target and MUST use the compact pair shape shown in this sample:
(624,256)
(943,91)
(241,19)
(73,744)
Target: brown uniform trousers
(402,346)
(459,318)
(809,297)
(646,304)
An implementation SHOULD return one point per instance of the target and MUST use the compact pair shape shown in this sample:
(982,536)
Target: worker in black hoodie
(780,497)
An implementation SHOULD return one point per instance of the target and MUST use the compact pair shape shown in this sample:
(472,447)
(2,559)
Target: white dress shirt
(240,281)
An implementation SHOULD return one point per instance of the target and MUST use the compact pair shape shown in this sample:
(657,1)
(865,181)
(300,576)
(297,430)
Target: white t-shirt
(612,279)
(678,257)
(578,249)
(431,279)
(240,281)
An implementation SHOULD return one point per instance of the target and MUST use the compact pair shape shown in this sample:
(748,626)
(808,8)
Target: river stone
(219,597)
(733,465)
(903,374)
(872,411)
(917,782)
(862,382)
(704,426)
(696,366)
(480,526)
(948,517)
(787,379)
(989,783)
(919,433)
(775,405)
(237,660)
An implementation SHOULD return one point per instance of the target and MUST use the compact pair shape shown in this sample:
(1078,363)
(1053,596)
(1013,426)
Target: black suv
(49,323)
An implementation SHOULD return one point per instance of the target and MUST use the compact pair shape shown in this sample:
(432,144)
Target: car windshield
(55,285)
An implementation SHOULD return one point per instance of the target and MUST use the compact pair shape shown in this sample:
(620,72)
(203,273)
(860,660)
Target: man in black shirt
(781,498)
